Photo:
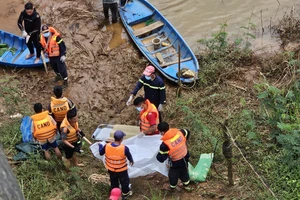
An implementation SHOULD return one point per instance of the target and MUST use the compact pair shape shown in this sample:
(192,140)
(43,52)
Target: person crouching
(70,133)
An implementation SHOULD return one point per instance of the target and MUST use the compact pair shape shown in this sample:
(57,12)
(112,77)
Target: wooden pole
(44,61)
(178,92)
(9,187)
(227,152)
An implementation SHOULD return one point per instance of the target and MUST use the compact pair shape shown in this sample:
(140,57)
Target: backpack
(26,129)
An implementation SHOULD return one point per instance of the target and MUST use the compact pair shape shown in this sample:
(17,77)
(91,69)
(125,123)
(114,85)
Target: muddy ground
(103,68)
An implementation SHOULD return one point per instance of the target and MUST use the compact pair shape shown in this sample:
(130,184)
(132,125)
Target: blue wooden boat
(16,52)
(158,40)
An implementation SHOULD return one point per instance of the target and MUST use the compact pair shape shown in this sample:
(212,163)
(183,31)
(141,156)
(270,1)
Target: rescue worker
(56,49)
(149,116)
(116,156)
(154,88)
(111,5)
(59,106)
(174,147)
(44,130)
(70,134)
(31,30)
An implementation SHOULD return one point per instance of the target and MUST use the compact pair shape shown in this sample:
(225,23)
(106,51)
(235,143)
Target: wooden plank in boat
(174,62)
(159,57)
(148,28)
(138,26)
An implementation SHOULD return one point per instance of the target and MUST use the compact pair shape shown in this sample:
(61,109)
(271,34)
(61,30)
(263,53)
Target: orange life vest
(176,142)
(53,48)
(115,158)
(145,124)
(59,108)
(72,135)
(44,128)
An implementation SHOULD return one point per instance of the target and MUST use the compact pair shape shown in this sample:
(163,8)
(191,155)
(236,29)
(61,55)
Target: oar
(44,62)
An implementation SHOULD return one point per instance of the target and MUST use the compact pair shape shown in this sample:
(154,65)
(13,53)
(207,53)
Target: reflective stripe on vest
(53,47)
(145,124)
(115,158)
(59,108)
(44,128)
(72,135)
(177,144)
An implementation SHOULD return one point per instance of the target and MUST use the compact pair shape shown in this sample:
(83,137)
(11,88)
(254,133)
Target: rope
(98,178)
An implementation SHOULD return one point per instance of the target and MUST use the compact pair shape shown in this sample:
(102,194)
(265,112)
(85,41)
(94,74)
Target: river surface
(194,19)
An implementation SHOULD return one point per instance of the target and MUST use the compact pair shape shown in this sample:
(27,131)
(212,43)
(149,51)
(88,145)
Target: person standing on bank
(31,30)
(56,49)
(111,5)
(70,135)
(154,88)
(116,155)
(174,147)
(44,129)
(59,106)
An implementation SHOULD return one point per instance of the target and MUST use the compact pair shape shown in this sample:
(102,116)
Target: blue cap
(119,134)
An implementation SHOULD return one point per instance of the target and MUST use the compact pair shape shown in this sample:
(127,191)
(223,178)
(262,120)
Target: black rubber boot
(57,78)
(65,84)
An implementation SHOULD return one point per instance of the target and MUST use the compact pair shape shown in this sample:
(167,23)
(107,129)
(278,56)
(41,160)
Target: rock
(18,115)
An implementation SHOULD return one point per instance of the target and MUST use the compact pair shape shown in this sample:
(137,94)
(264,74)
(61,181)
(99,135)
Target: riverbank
(101,79)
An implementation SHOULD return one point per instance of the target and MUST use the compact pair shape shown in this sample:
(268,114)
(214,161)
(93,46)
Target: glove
(81,134)
(24,34)
(62,58)
(77,149)
(129,100)
(141,134)
(160,107)
(27,38)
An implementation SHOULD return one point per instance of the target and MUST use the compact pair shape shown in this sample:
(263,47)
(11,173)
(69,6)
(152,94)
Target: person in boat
(174,147)
(116,156)
(31,30)
(149,116)
(154,88)
(54,46)
(59,106)
(44,131)
(70,135)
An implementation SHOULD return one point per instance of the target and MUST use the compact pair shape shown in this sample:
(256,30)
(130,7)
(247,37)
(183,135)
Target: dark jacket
(155,91)
(161,157)
(32,23)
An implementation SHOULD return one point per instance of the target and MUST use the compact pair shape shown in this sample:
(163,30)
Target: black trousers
(178,173)
(34,42)
(58,66)
(114,11)
(117,178)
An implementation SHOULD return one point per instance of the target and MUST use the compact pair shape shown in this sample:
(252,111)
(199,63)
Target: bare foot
(80,165)
(29,56)
(36,60)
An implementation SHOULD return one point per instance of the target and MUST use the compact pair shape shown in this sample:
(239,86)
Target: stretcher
(105,132)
